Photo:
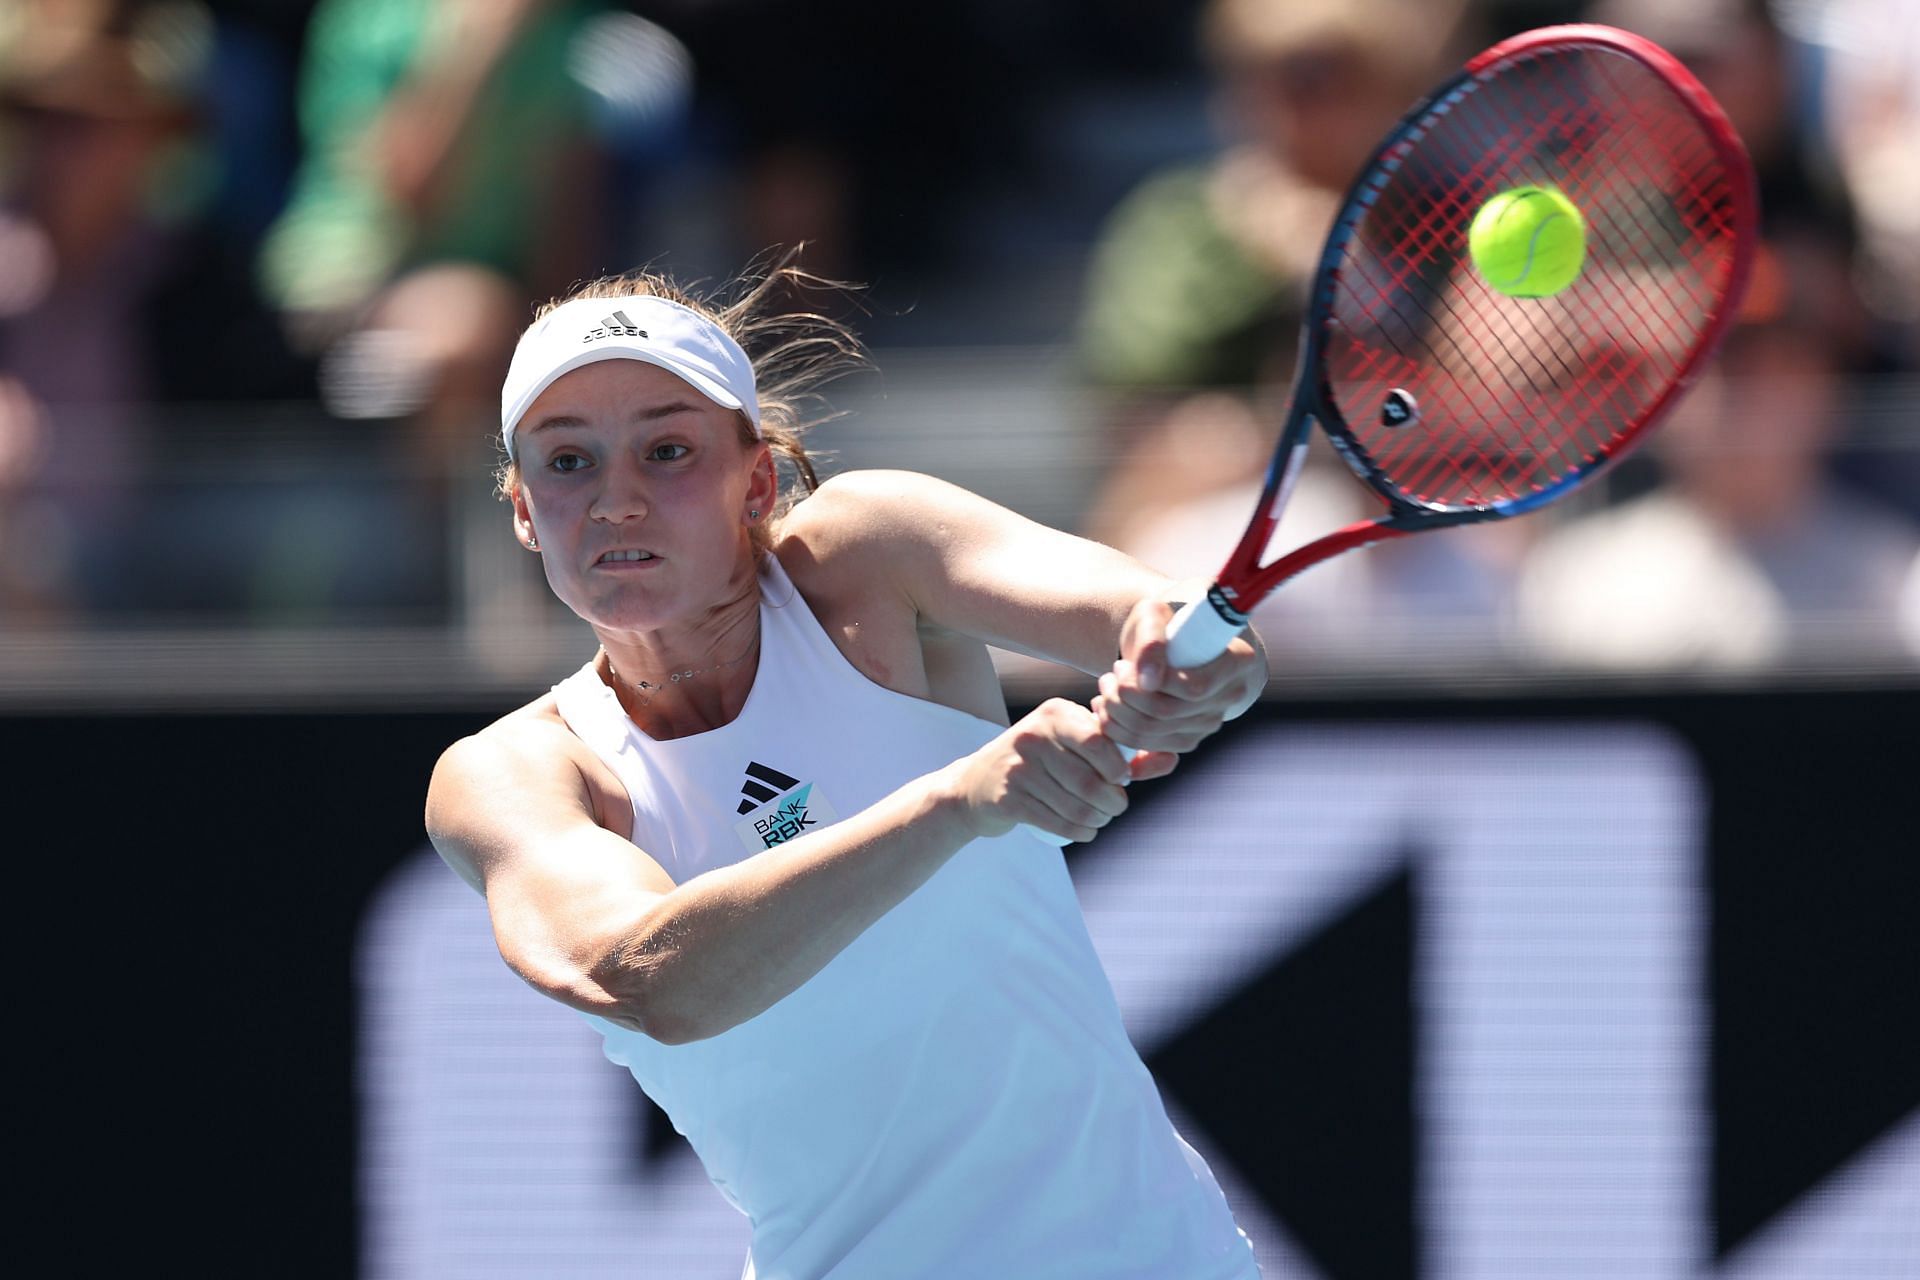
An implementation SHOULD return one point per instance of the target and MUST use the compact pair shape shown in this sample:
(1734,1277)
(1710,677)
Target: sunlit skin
(623,456)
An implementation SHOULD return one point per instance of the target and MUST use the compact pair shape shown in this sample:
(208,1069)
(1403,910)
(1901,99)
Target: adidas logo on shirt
(778,807)
(763,784)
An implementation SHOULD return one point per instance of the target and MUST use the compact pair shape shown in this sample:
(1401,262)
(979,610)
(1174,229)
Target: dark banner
(1611,986)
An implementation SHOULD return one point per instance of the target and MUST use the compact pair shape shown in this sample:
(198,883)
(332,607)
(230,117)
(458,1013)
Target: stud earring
(533,543)
(754,514)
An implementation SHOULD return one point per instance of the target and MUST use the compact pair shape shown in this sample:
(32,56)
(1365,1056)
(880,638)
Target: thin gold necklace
(645,689)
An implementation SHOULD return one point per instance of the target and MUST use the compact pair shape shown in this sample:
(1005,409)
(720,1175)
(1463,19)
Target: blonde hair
(794,353)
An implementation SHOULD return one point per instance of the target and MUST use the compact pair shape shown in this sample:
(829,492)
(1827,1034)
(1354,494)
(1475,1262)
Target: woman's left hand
(1164,712)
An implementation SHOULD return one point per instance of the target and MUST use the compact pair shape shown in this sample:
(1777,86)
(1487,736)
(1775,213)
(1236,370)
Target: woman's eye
(668,452)
(567,462)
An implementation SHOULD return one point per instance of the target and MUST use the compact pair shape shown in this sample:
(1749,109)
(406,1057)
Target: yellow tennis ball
(1529,242)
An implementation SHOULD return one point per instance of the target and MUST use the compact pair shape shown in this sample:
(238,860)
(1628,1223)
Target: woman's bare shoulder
(536,730)
(527,761)
(836,541)
(863,525)
(884,502)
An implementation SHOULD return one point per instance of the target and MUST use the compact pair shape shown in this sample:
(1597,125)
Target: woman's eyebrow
(662,410)
(649,414)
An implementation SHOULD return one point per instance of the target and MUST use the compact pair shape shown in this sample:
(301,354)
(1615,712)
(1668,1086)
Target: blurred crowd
(261,265)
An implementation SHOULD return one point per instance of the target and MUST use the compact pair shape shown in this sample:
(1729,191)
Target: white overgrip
(1199,633)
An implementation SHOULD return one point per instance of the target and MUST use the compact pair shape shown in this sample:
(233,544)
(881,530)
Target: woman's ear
(523,520)
(763,489)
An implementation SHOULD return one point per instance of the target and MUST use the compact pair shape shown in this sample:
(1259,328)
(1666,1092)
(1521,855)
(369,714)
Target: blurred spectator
(1873,109)
(1739,53)
(454,173)
(1749,553)
(212,336)
(450,178)
(1870,53)
(1768,83)
(95,120)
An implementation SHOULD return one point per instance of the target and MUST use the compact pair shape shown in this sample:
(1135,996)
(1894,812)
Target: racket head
(1450,397)
(1456,402)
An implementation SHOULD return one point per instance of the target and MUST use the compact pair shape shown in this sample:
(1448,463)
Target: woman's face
(638,488)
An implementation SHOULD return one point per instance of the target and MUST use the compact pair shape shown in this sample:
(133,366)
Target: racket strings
(1527,363)
(1645,146)
(1539,367)
(1592,369)
(1430,242)
(1515,395)
(1466,342)
(1514,348)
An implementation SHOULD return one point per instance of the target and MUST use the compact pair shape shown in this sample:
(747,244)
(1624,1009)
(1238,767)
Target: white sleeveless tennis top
(952,1097)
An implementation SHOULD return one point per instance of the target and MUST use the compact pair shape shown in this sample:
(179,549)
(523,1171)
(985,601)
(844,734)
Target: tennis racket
(1454,402)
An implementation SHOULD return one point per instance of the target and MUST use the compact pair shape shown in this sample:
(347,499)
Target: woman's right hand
(1052,770)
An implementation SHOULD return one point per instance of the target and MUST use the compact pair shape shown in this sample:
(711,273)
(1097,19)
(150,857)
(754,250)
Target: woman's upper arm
(511,811)
(973,566)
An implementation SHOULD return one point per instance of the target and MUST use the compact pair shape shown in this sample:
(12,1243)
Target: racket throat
(1222,600)
(1283,492)
(1364,533)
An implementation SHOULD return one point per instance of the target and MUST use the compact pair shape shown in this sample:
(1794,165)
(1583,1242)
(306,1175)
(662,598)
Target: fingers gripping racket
(1454,401)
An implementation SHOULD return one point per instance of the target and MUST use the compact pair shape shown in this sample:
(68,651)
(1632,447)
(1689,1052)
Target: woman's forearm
(728,944)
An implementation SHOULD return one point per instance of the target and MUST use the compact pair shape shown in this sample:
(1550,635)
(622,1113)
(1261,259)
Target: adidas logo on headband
(617,325)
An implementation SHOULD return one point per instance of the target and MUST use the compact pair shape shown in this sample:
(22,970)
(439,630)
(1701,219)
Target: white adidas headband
(653,330)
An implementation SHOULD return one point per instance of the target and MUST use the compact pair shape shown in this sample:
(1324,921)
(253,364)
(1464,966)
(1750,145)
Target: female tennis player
(775,839)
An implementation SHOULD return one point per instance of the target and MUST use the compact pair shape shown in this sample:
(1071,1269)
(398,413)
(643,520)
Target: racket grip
(1198,633)
(1202,630)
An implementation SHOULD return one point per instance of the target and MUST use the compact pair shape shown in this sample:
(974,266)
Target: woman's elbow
(599,992)
(670,1029)
(642,1000)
